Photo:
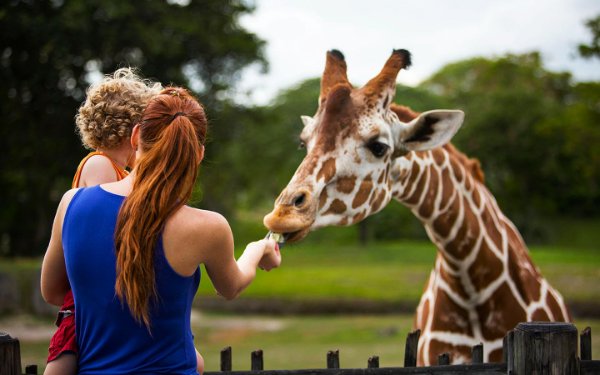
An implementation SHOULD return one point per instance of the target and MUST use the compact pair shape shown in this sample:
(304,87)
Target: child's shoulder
(97,169)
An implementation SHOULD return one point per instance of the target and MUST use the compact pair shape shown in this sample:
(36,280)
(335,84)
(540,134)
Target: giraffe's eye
(377,148)
(301,145)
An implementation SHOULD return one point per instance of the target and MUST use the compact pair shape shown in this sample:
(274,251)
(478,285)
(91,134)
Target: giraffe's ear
(430,130)
(307,120)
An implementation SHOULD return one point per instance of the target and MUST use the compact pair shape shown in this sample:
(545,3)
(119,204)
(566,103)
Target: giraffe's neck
(476,242)
(484,281)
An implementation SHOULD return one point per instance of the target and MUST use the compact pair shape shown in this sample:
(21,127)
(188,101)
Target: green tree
(592,49)
(48,52)
(533,131)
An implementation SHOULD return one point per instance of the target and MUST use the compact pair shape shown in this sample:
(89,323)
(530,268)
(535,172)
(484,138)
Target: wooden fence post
(333,359)
(257,362)
(373,362)
(226,359)
(443,359)
(10,355)
(586,344)
(477,354)
(507,351)
(410,350)
(545,348)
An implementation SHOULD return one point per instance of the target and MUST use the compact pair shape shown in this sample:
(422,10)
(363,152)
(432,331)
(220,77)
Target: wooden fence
(531,348)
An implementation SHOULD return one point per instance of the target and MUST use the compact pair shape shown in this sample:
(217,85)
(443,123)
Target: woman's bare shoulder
(194,234)
(190,221)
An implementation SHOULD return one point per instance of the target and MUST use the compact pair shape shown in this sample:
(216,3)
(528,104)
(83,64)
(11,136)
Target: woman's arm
(231,277)
(54,281)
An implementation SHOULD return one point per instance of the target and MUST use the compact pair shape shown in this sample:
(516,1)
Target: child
(104,122)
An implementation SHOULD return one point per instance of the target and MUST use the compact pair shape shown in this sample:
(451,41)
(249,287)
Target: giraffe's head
(354,143)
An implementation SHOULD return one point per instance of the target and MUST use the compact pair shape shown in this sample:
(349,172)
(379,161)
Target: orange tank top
(121,173)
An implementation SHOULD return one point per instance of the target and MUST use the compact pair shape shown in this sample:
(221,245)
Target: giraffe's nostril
(299,199)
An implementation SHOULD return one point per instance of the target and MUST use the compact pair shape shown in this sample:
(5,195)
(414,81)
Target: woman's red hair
(172,132)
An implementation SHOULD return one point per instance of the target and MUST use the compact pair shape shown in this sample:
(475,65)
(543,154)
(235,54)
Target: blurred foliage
(48,52)
(535,131)
(592,49)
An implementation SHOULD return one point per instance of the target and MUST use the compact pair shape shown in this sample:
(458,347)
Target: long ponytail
(172,131)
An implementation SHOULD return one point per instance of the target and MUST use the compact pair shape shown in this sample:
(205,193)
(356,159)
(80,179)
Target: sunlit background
(526,73)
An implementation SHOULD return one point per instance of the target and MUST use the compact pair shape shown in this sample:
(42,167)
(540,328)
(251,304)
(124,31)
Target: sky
(298,33)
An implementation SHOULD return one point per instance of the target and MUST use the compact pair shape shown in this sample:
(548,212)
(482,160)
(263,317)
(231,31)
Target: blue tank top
(110,340)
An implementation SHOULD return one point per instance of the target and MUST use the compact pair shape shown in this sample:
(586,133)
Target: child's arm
(54,281)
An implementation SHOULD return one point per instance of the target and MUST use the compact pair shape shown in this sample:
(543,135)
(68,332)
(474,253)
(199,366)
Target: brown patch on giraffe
(307,167)
(405,114)
(444,222)
(364,190)
(472,166)
(323,199)
(485,268)
(344,221)
(496,355)
(339,119)
(436,348)
(447,186)
(381,177)
(424,315)
(454,283)
(489,218)
(554,307)
(466,236)
(521,269)
(345,184)
(457,169)
(378,201)
(448,316)
(426,208)
(327,170)
(336,207)
(476,195)
(539,315)
(500,313)
(359,216)
(468,182)
(438,156)
(419,189)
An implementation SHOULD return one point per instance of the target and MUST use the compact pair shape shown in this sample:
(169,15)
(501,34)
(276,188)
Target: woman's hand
(271,257)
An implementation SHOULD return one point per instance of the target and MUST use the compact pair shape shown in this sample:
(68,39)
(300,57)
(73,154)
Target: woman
(132,248)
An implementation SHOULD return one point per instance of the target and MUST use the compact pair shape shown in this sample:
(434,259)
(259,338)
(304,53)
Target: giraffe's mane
(472,165)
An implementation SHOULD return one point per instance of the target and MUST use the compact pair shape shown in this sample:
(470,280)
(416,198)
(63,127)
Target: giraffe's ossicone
(362,151)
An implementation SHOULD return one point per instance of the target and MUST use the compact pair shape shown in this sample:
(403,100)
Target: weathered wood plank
(226,359)
(477,354)
(545,348)
(333,359)
(373,362)
(256,360)
(10,355)
(411,348)
(586,344)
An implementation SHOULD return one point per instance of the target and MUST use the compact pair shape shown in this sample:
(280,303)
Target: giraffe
(362,151)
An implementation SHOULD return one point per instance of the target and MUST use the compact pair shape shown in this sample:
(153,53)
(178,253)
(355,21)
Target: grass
(397,271)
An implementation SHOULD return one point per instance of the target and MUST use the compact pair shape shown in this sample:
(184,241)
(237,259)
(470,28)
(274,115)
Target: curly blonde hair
(112,107)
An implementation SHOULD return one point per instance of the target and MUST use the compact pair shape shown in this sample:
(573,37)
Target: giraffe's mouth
(297,236)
